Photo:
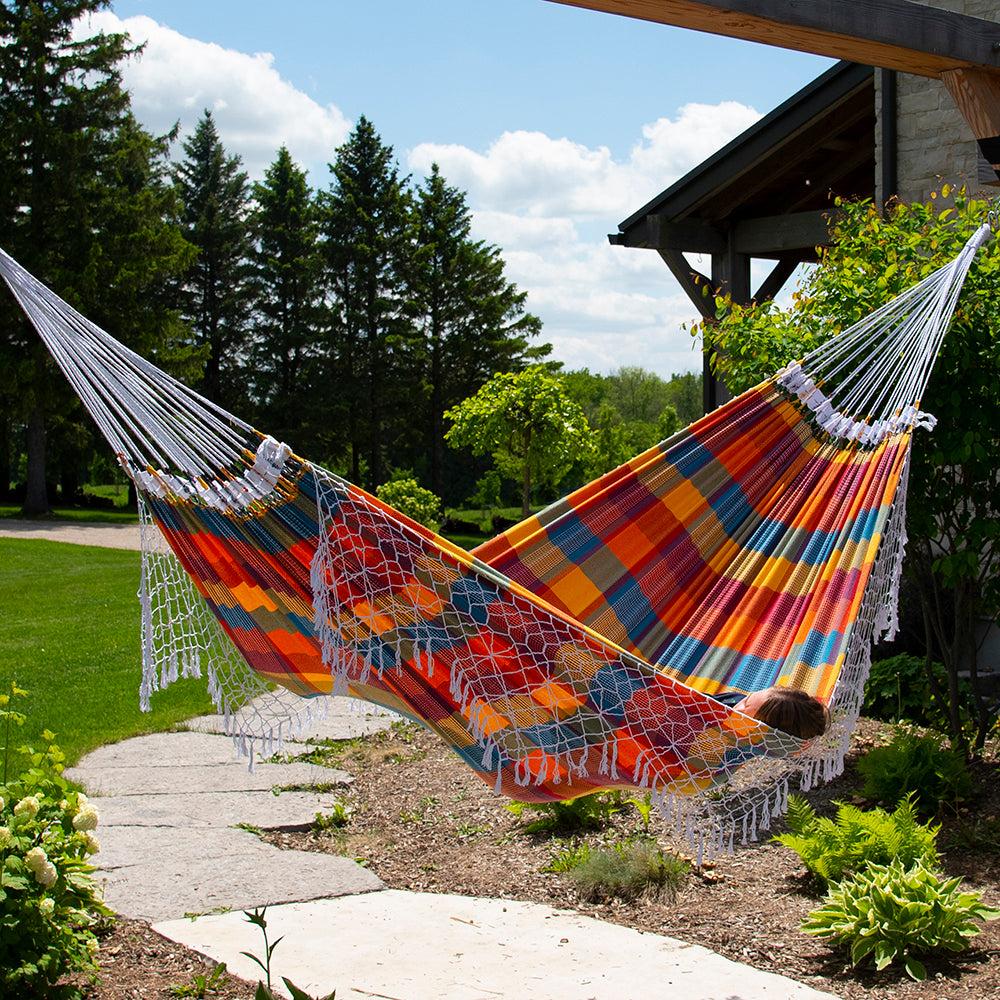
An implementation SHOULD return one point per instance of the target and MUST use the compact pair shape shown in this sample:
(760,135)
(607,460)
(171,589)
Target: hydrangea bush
(50,904)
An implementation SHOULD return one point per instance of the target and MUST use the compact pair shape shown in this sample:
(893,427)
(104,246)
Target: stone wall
(934,143)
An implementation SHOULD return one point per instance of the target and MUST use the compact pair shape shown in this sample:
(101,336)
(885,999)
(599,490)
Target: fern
(855,839)
(918,765)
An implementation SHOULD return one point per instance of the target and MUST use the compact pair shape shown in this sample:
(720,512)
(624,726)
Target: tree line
(345,320)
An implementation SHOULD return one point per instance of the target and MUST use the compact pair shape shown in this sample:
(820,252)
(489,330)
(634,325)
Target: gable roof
(779,174)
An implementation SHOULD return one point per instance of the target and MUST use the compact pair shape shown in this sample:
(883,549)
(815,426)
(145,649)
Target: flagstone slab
(155,873)
(216,809)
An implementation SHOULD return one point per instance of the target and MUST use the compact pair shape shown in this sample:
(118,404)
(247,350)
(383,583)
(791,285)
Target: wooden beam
(893,34)
(759,237)
(775,281)
(687,235)
(779,233)
(977,95)
(698,288)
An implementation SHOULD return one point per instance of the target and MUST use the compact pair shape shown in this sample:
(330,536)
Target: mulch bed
(422,821)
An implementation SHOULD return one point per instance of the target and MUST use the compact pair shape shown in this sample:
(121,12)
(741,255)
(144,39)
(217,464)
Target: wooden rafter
(962,51)
(977,95)
(893,34)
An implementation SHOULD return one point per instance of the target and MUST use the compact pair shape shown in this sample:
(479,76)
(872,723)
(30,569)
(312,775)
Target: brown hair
(794,712)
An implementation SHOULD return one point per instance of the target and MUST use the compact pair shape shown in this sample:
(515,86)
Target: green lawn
(69,634)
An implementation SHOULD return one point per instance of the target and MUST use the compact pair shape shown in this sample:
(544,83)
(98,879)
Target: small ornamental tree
(526,420)
(953,518)
(411,499)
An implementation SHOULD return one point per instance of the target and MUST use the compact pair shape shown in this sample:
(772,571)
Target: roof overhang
(893,34)
(768,192)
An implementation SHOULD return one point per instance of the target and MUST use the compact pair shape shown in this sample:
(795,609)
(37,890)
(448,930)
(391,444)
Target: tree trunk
(36,499)
(435,425)
(5,455)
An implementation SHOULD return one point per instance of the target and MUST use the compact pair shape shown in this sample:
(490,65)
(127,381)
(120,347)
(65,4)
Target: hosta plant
(891,912)
(49,902)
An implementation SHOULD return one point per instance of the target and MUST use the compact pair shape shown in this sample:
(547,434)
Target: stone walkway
(177,817)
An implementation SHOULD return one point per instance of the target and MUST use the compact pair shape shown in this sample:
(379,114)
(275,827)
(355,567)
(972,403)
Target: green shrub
(588,812)
(891,912)
(629,872)
(49,902)
(917,764)
(898,691)
(411,499)
(832,848)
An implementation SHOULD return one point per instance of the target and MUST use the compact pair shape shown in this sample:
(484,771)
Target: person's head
(788,709)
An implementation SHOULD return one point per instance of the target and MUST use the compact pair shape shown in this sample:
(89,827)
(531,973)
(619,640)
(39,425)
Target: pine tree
(213,297)
(366,223)
(62,115)
(470,319)
(286,268)
(129,283)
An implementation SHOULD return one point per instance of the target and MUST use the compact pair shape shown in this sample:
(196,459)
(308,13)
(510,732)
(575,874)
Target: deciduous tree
(527,421)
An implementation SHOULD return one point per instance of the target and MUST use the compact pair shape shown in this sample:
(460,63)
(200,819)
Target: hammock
(586,648)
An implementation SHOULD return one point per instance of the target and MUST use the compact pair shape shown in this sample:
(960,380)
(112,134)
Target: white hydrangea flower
(86,818)
(5,837)
(36,859)
(47,906)
(93,844)
(46,875)
(28,806)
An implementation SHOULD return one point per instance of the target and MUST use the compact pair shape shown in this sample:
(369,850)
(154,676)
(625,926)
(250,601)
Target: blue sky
(558,122)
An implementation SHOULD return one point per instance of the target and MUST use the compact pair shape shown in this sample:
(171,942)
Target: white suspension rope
(150,419)
(868,381)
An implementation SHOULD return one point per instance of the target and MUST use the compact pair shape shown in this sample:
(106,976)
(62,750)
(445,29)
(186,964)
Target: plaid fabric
(580,650)
(734,556)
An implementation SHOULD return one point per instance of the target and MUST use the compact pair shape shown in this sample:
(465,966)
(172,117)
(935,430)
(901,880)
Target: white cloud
(255,110)
(533,174)
(547,202)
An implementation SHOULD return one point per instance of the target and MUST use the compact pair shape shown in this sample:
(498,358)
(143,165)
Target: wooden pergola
(765,195)
(962,51)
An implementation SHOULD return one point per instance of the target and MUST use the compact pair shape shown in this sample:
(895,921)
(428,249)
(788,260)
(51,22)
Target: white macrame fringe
(180,637)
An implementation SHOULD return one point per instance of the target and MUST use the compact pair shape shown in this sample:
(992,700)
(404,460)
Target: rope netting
(582,650)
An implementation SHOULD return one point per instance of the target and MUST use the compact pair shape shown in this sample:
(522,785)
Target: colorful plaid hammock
(585,648)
